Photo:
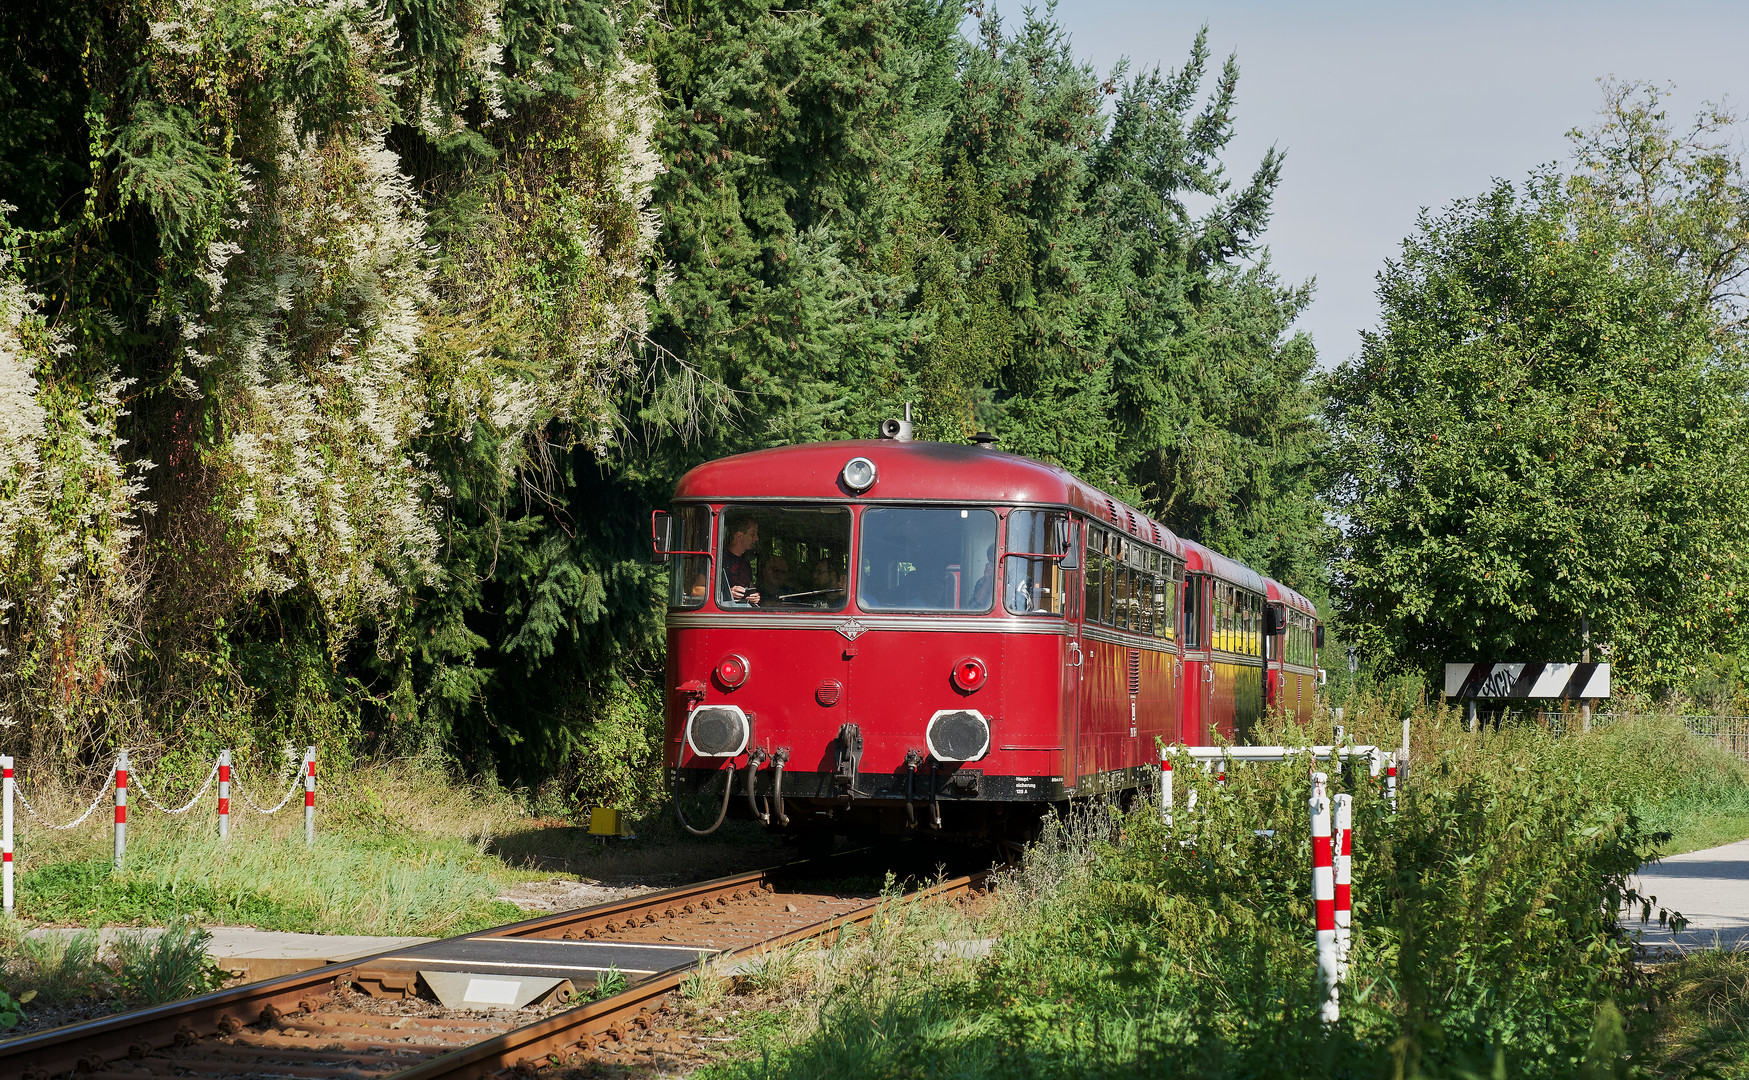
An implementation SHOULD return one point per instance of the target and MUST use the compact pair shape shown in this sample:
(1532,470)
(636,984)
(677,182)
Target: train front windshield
(926,560)
(783,558)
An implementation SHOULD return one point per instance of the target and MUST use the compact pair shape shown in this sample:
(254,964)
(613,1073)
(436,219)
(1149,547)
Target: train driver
(737,568)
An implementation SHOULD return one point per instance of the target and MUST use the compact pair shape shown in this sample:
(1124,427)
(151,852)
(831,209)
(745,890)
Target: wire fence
(118,783)
(1729,733)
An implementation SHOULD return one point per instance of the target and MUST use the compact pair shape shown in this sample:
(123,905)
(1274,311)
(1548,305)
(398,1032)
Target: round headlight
(859,474)
(969,673)
(732,671)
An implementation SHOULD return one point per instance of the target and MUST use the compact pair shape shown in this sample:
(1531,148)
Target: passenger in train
(986,586)
(773,574)
(827,578)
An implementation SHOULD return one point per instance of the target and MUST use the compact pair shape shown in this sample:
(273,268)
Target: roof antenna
(898,430)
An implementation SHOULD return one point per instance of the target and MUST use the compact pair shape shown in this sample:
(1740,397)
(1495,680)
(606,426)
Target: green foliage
(12,1008)
(1549,421)
(61,967)
(419,309)
(608,983)
(1544,427)
(1486,939)
(168,966)
(1703,1015)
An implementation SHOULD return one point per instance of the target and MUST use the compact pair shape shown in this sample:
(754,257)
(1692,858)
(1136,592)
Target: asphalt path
(1711,890)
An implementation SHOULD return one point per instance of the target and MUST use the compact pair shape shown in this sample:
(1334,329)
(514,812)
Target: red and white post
(1165,788)
(224,794)
(6,837)
(1344,867)
(121,807)
(310,795)
(1391,783)
(1324,901)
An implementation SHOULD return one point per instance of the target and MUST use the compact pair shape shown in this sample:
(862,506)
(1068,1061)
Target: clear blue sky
(1386,108)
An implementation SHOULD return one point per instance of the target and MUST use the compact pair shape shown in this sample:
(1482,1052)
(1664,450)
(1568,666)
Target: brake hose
(728,791)
(753,761)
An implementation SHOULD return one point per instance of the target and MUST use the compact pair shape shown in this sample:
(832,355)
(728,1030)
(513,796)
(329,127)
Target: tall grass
(1487,939)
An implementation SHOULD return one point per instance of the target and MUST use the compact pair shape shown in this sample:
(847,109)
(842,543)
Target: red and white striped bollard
(1391,783)
(1165,788)
(121,807)
(1344,874)
(1324,903)
(310,795)
(224,794)
(6,838)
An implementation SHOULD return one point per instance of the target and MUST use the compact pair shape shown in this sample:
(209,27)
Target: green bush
(1486,941)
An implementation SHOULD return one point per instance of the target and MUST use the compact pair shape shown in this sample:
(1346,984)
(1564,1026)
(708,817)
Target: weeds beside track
(1486,936)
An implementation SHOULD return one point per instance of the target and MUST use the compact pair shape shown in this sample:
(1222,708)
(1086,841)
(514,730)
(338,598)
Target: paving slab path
(252,954)
(1711,890)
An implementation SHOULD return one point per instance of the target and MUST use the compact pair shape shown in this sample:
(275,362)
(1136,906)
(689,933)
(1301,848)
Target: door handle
(1076,645)
(1208,673)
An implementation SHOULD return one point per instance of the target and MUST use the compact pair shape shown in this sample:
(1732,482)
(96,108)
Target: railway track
(363,1019)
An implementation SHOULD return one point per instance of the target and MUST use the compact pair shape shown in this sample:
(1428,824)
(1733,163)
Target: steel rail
(89,1045)
(525,1046)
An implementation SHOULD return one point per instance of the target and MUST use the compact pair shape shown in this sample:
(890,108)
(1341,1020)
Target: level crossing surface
(580,961)
(1710,888)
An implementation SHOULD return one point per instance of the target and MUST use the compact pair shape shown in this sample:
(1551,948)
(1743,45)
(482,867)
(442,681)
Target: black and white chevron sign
(1569,682)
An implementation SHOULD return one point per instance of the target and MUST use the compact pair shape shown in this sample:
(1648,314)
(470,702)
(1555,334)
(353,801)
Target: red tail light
(732,670)
(969,673)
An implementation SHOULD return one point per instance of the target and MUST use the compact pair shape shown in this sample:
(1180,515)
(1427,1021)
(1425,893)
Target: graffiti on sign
(1566,682)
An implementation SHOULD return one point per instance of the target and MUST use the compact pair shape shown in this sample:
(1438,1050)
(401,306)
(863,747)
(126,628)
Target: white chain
(297,779)
(135,785)
(73,825)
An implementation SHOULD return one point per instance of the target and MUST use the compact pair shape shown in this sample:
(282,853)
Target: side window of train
(1150,587)
(1033,577)
(1193,612)
(1125,589)
(1166,594)
(1107,610)
(689,560)
(1093,569)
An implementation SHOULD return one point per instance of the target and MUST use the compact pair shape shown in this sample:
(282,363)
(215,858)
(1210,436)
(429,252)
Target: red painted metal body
(1076,703)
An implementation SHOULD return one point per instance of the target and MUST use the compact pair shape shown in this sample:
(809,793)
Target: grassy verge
(1486,944)
(1703,1014)
(398,851)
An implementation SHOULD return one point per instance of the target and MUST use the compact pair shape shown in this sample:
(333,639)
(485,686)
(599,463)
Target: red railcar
(877,634)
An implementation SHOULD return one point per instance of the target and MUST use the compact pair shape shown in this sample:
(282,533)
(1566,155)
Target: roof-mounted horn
(898,430)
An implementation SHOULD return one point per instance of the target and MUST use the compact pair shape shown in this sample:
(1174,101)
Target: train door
(1074,672)
(1193,690)
(1091,751)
